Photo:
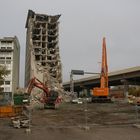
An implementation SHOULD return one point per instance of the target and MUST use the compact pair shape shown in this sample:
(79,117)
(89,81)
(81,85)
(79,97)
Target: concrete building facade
(10,57)
(42,50)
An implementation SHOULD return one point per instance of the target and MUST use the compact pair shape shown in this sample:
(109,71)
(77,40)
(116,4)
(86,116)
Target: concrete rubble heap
(42,42)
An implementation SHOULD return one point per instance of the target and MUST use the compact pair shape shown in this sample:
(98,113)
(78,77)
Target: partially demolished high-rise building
(42,50)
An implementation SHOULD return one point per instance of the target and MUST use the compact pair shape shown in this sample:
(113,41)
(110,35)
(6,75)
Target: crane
(101,93)
(50,97)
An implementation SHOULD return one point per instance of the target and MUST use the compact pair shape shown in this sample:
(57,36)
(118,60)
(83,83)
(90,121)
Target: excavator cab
(52,99)
(101,92)
(101,95)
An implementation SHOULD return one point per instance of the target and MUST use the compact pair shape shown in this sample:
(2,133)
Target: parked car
(77,101)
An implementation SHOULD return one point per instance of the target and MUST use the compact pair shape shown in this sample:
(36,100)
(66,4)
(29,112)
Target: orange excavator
(101,94)
(50,98)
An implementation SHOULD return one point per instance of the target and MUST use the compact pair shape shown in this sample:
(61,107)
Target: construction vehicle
(101,94)
(50,98)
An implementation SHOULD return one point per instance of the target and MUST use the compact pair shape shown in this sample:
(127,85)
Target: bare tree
(3,72)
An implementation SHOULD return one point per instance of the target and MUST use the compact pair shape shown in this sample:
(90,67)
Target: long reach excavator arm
(103,90)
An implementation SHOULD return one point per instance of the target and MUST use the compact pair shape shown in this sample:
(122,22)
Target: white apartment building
(10,57)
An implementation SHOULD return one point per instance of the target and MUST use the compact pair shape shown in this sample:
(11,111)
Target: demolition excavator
(50,98)
(101,94)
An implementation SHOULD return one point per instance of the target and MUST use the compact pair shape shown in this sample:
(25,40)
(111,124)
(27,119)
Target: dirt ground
(94,121)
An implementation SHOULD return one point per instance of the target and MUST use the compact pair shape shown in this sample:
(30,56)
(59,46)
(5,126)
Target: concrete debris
(136,125)
(68,96)
(20,122)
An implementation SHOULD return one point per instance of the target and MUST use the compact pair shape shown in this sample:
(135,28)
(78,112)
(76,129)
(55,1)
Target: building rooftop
(43,17)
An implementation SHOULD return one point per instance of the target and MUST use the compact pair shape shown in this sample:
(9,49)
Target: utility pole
(71,83)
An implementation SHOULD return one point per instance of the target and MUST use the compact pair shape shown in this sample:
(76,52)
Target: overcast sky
(83,24)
